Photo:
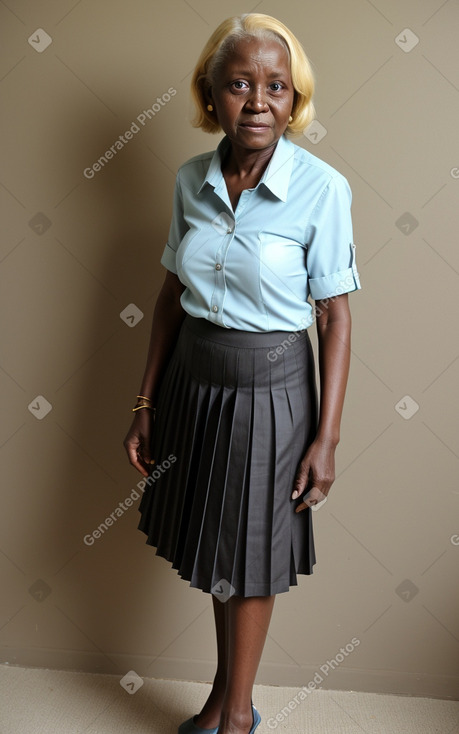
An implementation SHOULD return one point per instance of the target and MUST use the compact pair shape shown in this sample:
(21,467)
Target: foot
(239,722)
(209,716)
(190,727)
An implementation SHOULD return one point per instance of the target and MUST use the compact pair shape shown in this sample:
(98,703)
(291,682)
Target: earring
(290,119)
(210,108)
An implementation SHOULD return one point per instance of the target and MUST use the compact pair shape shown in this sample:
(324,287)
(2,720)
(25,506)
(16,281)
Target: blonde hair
(223,40)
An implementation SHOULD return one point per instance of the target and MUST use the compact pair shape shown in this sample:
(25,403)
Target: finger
(302,506)
(301,481)
(136,460)
(313,499)
(315,495)
(305,504)
(144,458)
(144,450)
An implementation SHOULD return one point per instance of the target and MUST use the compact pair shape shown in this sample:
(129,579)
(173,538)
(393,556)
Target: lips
(254,125)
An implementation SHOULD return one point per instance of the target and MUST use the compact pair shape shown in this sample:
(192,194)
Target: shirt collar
(276,176)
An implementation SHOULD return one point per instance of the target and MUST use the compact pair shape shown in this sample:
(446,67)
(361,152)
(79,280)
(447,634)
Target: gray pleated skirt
(236,411)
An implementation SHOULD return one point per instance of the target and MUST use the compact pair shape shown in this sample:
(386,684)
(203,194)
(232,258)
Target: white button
(229,230)
(215,309)
(218,266)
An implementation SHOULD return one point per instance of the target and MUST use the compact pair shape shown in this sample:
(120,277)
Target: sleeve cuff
(168,259)
(336,284)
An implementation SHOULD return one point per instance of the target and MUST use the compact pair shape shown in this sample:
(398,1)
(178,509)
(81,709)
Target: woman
(227,406)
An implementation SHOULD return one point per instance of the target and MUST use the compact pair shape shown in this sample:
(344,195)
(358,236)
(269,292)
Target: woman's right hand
(138,441)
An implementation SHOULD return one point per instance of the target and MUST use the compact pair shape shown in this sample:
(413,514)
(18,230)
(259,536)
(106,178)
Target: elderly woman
(227,409)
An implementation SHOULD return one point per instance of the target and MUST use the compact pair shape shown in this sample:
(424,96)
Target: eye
(276,86)
(239,85)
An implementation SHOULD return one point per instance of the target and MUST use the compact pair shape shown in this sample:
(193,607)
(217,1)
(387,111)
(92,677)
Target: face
(253,94)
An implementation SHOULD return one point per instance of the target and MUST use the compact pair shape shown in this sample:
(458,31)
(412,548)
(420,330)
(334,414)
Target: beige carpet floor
(37,701)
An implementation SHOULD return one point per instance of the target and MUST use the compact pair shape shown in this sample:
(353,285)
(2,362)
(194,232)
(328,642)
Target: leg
(209,716)
(247,625)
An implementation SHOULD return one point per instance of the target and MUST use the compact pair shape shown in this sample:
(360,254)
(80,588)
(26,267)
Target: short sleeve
(330,254)
(178,229)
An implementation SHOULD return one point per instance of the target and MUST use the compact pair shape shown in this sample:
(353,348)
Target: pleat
(240,457)
(202,538)
(306,417)
(225,487)
(260,474)
(237,425)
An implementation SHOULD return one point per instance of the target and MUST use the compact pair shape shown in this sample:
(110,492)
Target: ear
(208,95)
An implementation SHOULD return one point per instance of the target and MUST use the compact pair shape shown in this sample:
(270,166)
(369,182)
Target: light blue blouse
(289,238)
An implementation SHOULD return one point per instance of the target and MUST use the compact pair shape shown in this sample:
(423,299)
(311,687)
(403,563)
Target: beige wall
(387,539)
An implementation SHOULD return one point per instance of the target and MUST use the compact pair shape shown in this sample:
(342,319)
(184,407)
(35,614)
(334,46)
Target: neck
(244,163)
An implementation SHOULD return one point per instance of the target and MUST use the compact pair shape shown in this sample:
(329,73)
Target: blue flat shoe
(256,719)
(189,727)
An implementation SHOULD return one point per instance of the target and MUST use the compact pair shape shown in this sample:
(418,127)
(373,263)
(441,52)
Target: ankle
(236,718)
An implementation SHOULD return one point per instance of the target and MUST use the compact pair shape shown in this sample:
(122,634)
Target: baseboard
(342,678)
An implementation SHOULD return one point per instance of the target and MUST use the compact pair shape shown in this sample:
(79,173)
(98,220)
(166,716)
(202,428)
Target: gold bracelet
(144,398)
(143,401)
(139,407)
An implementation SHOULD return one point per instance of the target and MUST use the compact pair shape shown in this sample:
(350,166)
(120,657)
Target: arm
(317,468)
(167,320)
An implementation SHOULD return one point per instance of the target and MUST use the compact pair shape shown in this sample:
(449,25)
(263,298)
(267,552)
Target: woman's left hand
(315,475)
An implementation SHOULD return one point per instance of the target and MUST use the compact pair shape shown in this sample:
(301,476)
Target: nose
(257,101)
